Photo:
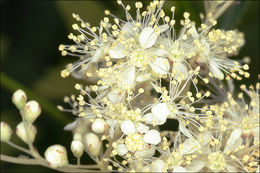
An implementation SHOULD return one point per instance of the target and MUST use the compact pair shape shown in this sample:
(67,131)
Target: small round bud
(56,156)
(32,111)
(98,126)
(77,148)
(6,132)
(92,143)
(21,132)
(19,98)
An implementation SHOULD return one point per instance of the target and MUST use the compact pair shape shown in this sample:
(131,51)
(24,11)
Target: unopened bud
(6,131)
(77,148)
(21,132)
(98,126)
(32,111)
(77,136)
(56,156)
(92,143)
(19,98)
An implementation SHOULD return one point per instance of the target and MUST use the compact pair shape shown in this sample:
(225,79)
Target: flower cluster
(145,74)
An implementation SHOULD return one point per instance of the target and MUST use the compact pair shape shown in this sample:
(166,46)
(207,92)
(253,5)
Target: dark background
(30,35)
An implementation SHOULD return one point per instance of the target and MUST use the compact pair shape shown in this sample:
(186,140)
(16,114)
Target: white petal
(190,146)
(128,28)
(117,52)
(152,137)
(234,140)
(143,77)
(158,52)
(128,77)
(231,168)
(121,149)
(163,28)
(180,70)
(184,130)
(215,70)
(115,97)
(146,153)
(256,133)
(127,127)
(160,65)
(160,111)
(196,165)
(157,166)
(149,118)
(206,137)
(70,126)
(142,128)
(147,37)
(179,169)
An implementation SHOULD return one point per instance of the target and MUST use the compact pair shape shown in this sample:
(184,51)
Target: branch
(25,161)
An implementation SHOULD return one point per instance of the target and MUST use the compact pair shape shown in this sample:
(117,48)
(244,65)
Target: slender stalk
(18,147)
(25,161)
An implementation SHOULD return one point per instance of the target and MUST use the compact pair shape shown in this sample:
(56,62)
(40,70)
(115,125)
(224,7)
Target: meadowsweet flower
(137,139)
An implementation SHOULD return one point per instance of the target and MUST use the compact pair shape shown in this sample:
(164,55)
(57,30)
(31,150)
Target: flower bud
(21,132)
(98,126)
(56,156)
(19,98)
(77,148)
(77,136)
(32,111)
(92,143)
(6,132)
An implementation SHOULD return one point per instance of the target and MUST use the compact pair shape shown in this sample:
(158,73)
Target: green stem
(12,85)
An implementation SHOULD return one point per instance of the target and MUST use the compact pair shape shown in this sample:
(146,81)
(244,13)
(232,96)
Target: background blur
(30,35)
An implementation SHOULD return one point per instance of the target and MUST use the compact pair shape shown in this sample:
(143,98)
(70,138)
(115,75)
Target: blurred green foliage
(30,35)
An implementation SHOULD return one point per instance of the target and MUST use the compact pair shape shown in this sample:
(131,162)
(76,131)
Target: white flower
(137,139)
(143,55)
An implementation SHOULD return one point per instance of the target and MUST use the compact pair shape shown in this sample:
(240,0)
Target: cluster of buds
(29,111)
